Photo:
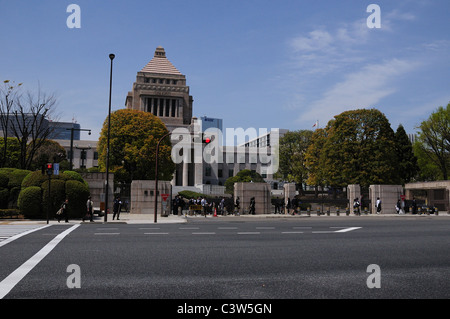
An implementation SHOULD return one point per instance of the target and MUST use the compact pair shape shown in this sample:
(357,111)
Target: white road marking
(17,275)
(347,229)
(15,235)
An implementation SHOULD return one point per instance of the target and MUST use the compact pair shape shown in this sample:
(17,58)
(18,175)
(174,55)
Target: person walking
(89,208)
(378,205)
(237,206)
(63,211)
(252,206)
(117,207)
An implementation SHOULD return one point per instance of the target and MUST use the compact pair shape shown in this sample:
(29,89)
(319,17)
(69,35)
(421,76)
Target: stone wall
(143,197)
(261,193)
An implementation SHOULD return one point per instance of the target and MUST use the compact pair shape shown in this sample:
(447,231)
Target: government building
(161,89)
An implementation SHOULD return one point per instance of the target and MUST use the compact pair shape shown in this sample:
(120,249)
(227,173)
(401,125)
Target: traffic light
(206,139)
(49,167)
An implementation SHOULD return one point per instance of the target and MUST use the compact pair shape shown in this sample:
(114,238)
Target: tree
(434,139)
(133,139)
(245,176)
(9,96)
(314,159)
(407,161)
(292,150)
(26,119)
(360,149)
(50,151)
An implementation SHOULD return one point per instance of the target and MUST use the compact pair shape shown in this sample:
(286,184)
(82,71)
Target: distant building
(63,130)
(209,122)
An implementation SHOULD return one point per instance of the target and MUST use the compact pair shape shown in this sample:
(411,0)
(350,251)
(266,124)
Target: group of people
(282,207)
(62,213)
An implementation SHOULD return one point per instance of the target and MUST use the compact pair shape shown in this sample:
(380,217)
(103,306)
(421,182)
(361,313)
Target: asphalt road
(234,259)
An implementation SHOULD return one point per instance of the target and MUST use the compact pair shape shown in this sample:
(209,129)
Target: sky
(259,64)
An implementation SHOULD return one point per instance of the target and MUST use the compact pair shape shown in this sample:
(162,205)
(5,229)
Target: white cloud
(361,89)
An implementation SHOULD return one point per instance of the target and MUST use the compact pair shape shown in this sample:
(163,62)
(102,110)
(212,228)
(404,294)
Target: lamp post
(156,175)
(111,57)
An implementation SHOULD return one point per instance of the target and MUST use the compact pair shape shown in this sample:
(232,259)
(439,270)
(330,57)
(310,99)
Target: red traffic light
(49,166)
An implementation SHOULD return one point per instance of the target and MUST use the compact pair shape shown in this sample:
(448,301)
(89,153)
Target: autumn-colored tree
(134,136)
(314,158)
(360,149)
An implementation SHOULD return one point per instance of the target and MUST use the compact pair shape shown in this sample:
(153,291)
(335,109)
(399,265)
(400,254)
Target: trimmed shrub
(29,202)
(77,193)
(4,197)
(4,179)
(57,195)
(34,179)
(16,177)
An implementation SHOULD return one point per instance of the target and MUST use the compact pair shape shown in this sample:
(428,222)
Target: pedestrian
(398,207)
(252,206)
(116,208)
(237,205)
(63,211)
(89,208)
(378,205)
(414,206)
(288,205)
(356,205)
(222,206)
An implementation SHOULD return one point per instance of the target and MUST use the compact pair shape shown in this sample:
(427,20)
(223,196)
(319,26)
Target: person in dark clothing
(117,207)
(63,211)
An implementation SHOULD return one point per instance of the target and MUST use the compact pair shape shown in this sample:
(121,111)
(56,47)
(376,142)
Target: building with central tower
(161,89)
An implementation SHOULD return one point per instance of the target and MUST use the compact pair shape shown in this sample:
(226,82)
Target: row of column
(164,107)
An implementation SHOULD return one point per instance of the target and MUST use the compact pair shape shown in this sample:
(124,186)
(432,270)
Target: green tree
(433,140)
(407,161)
(314,159)
(360,149)
(292,150)
(133,139)
(245,176)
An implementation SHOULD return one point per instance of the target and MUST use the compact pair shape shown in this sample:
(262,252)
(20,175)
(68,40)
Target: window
(219,173)
(208,171)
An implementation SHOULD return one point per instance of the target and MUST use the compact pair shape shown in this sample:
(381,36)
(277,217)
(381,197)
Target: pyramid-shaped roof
(160,64)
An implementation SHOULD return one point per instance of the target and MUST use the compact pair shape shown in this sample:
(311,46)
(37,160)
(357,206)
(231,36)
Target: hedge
(77,193)
(29,202)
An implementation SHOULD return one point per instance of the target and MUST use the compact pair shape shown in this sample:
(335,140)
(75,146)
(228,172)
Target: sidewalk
(126,218)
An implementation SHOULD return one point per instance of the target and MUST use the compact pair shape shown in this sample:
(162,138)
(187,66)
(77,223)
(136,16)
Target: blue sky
(253,63)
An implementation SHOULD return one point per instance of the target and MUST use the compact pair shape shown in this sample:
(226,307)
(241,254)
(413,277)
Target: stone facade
(261,193)
(143,197)
(161,90)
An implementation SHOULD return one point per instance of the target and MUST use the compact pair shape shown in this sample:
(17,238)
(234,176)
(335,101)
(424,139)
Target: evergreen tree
(407,161)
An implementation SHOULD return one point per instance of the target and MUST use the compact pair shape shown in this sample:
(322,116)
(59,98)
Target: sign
(164,196)
(56,169)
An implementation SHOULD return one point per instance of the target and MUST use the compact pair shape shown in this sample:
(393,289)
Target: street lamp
(111,57)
